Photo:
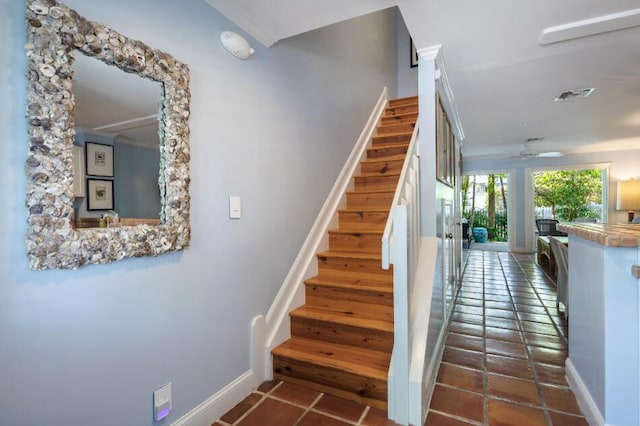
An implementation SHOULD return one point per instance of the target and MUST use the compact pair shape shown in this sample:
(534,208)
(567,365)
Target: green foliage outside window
(568,192)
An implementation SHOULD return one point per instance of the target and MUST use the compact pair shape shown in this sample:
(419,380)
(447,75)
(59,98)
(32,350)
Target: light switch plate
(235,208)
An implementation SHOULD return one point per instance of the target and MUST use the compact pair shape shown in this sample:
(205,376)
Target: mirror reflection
(119,110)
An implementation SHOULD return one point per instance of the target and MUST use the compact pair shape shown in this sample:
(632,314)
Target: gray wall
(407,76)
(136,192)
(89,346)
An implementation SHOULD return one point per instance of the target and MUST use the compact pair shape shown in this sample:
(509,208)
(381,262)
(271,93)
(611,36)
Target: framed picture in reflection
(99,194)
(414,54)
(99,159)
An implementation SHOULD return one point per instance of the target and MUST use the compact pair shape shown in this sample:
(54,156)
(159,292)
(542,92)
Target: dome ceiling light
(237,45)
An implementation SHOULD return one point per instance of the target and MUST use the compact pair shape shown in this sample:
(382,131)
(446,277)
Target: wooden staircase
(342,337)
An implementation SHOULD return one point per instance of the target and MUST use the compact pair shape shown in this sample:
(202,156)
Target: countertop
(605,234)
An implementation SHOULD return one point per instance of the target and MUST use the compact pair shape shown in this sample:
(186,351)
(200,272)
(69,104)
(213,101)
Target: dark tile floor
(503,363)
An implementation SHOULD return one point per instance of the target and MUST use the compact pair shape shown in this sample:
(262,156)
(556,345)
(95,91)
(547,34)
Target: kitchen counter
(603,367)
(605,234)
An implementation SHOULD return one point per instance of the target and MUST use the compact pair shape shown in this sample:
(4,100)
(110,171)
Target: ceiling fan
(528,153)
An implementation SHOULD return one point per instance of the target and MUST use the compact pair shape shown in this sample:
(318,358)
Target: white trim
(512,224)
(529,208)
(421,379)
(291,293)
(401,355)
(529,201)
(429,53)
(235,15)
(586,403)
(408,162)
(436,54)
(432,372)
(133,123)
(219,403)
(258,355)
(592,26)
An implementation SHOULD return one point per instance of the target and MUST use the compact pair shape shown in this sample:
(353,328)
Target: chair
(561,254)
(548,227)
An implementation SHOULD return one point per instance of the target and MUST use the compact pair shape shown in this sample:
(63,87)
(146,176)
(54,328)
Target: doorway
(486,210)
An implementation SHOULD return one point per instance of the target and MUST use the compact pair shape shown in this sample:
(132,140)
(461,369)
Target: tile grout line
(485,372)
(265,395)
(363,415)
(251,409)
(308,409)
(529,356)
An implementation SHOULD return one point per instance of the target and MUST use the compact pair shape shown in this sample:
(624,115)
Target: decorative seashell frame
(53,33)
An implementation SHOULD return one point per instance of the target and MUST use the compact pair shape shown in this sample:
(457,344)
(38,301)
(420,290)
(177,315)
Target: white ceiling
(115,103)
(503,79)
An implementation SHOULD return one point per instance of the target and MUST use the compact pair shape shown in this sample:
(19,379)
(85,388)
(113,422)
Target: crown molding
(435,53)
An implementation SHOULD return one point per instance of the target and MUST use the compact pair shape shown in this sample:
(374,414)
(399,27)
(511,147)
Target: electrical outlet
(162,402)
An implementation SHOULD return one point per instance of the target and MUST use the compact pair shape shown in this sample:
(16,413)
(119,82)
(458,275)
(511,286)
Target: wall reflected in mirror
(120,110)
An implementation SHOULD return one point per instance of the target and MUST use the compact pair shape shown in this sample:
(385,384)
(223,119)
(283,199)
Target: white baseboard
(432,372)
(218,404)
(586,403)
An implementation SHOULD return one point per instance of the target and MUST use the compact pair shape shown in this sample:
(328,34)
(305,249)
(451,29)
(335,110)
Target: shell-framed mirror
(55,35)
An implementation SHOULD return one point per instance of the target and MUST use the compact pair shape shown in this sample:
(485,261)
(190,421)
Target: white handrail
(387,235)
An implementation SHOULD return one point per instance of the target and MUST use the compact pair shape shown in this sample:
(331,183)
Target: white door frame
(511,216)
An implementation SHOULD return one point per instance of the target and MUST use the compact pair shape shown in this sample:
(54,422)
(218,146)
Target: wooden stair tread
(355,360)
(351,229)
(364,210)
(383,160)
(348,283)
(372,191)
(406,100)
(387,158)
(345,230)
(378,174)
(397,117)
(395,145)
(393,135)
(353,319)
(350,254)
(390,109)
(407,126)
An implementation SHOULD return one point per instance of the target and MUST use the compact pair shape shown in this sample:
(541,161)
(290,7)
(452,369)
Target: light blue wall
(88,347)
(624,165)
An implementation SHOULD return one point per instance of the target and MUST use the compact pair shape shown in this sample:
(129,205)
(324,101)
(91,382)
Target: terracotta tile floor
(503,363)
